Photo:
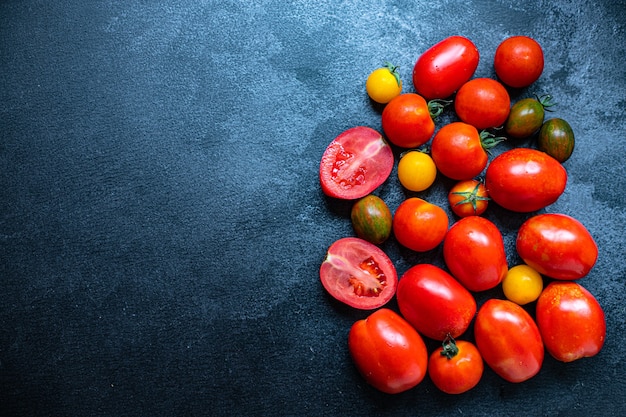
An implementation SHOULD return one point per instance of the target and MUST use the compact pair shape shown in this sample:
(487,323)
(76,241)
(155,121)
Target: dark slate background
(162,225)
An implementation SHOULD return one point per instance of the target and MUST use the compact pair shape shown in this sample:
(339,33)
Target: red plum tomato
(371,219)
(518,61)
(407,121)
(455,367)
(419,225)
(468,198)
(482,102)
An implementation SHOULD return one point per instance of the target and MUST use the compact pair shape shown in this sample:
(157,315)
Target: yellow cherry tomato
(522,284)
(416,171)
(383,84)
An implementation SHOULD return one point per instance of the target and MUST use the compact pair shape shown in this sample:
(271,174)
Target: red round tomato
(407,121)
(434,302)
(508,340)
(468,198)
(388,352)
(571,321)
(419,225)
(456,367)
(525,180)
(358,273)
(460,152)
(355,163)
(518,61)
(483,103)
(445,67)
(557,245)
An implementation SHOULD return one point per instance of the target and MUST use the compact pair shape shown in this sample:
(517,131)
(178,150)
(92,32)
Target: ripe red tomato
(434,302)
(518,61)
(355,163)
(419,225)
(483,103)
(525,180)
(460,152)
(388,352)
(445,67)
(358,273)
(557,245)
(455,367)
(508,340)
(473,250)
(571,321)
(407,121)
(468,198)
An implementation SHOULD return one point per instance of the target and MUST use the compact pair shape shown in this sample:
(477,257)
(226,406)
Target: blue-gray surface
(162,225)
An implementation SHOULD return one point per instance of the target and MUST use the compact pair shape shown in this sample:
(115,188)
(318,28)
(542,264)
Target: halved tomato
(355,163)
(358,273)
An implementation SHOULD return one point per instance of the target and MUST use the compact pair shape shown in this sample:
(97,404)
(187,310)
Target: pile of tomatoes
(388,346)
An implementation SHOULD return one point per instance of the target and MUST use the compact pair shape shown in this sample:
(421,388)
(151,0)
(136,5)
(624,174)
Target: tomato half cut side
(358,273)
(355,163)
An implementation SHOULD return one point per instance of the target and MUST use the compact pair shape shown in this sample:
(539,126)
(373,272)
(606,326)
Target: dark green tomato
(371,219)
(556,138)
(525,118)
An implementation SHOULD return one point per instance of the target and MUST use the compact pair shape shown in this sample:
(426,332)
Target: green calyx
(545,101)
(393,69)
(449,347)
(489,140)
(471,197)
(436,106)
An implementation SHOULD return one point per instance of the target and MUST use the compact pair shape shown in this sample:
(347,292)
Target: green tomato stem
(436,106)
(393,69)
(449,347)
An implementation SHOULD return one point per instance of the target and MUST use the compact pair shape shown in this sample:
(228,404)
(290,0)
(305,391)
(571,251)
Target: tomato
(358,273)
(483,103)
(407,121)
(518,61)
(384,83)
(460,152)
(445,67)
(571,321)
(434,302)
(419,225)
(416,171)
(388,352)
(371,219)
(468,198)
(508,340)
(355,163)
(473,250)
(557,245)
(526,116)
(456,367)
(522,284)
(556,138)
(525,180)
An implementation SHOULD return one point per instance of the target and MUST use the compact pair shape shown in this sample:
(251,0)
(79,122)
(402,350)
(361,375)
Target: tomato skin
(355,163)
(445,67)
(358,273)
(434,302)
(473,250)
(518,61)
(416,170)
(457,151)
(556,138)
(468,198)
(525,118)
(557,245)
(419,225)
(525,180)
(388,352)
(483,103)
(457,374)
(383,84)
(508,339)
(371,219)
(571,321)
(407,122)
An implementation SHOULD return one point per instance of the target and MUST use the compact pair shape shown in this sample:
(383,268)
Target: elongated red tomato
(407,121)
(434,302)
(388,352)
(473,250)
(525,180)
(355,163)
(557,245)
(445,67)
(358,273)
(508,340)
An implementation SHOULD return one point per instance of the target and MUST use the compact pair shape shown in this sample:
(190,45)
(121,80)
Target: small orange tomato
(468,198)
(455,367)
(419,225)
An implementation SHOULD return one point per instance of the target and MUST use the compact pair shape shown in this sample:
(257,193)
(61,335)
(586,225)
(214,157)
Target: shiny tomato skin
(518,61)
(473,250)
(445,67)
(388,352)
(434,302)
(525,118)
(557,245)
(508,339)
(407,122)
(556,138)
(571,321)
(355,163)
(419,225)
(525,180)
(468,198)
(358,273)
(371,219)
(483,103)
(457,151)
(459,373)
